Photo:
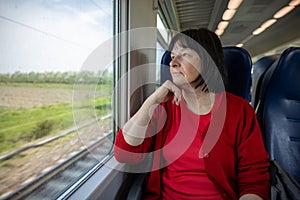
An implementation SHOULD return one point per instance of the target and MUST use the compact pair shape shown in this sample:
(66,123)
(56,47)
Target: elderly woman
(206,143)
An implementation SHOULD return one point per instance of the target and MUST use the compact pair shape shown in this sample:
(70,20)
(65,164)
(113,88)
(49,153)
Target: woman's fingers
(171,87)
(164,92)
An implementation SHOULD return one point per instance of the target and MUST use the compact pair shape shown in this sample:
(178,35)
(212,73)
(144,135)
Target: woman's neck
(198,101)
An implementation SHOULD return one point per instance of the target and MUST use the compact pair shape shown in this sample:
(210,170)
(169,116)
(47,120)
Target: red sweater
(233,149)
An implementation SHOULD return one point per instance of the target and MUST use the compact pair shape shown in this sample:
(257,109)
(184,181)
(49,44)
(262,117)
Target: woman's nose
(175,61)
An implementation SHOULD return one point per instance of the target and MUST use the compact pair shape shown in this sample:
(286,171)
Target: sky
(51,35)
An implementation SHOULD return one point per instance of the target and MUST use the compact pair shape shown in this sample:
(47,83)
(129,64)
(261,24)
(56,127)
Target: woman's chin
(183,84)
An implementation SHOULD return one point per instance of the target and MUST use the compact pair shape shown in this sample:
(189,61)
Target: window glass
(44,45)
(162,29)
(159,53)
(161,45)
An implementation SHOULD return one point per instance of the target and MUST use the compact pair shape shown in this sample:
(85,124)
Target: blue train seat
(279,111)
(239,65)
(165,67)
(259,69)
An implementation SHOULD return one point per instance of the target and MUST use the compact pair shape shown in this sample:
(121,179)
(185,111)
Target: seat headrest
(259,69)
(238,62)
(282,81)
(165,67)
(261,65)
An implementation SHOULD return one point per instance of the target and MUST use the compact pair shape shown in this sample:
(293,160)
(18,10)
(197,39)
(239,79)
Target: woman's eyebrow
(180,49)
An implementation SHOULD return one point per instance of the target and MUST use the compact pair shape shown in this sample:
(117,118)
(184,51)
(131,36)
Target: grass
(38,85)
(106,87)
(20,126)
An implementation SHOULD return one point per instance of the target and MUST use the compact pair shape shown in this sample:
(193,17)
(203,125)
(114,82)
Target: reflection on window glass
(159,53)
(162,29)
(161,46)
(44,45)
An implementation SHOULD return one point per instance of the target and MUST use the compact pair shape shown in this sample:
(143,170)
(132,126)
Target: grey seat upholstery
(259,69)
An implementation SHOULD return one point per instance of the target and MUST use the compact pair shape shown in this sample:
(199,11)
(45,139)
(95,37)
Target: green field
(20,126)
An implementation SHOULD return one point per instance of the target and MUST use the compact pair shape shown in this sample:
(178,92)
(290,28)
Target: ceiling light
(268,23)
(294,3)
(285,10)
(258,31)
(219,32)
(223,24)
(234,4)
(228,14)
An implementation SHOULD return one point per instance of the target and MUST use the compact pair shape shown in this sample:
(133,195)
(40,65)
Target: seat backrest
(239,65)
(259,69)
(280,111)
(238,62)
(165,67)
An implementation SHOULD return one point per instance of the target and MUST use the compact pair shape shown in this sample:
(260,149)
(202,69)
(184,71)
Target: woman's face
(185,65)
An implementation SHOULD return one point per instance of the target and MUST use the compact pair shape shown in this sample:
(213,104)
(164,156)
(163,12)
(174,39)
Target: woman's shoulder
(238,103)
(232,98)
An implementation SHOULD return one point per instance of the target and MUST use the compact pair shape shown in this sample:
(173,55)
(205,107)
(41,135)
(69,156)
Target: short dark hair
(205,42)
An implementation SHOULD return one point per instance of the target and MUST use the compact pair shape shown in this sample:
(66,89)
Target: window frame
(94,180)
(107,180)
(94,184)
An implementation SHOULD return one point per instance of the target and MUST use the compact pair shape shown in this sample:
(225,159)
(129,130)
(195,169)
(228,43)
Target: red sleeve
(126,153)
(253,160)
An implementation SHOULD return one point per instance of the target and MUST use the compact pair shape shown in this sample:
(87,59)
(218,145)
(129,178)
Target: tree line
(85,77)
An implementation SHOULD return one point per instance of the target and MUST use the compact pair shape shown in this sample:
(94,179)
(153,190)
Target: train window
(163,38)
(162,29)
(159,53)
(56,113)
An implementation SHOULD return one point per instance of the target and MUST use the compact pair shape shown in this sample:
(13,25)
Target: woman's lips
(177,73)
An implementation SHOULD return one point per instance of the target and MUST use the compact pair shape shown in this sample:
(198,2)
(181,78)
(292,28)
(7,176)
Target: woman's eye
(185,54)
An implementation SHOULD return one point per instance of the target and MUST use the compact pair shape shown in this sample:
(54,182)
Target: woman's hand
(164,92)
(134,129)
